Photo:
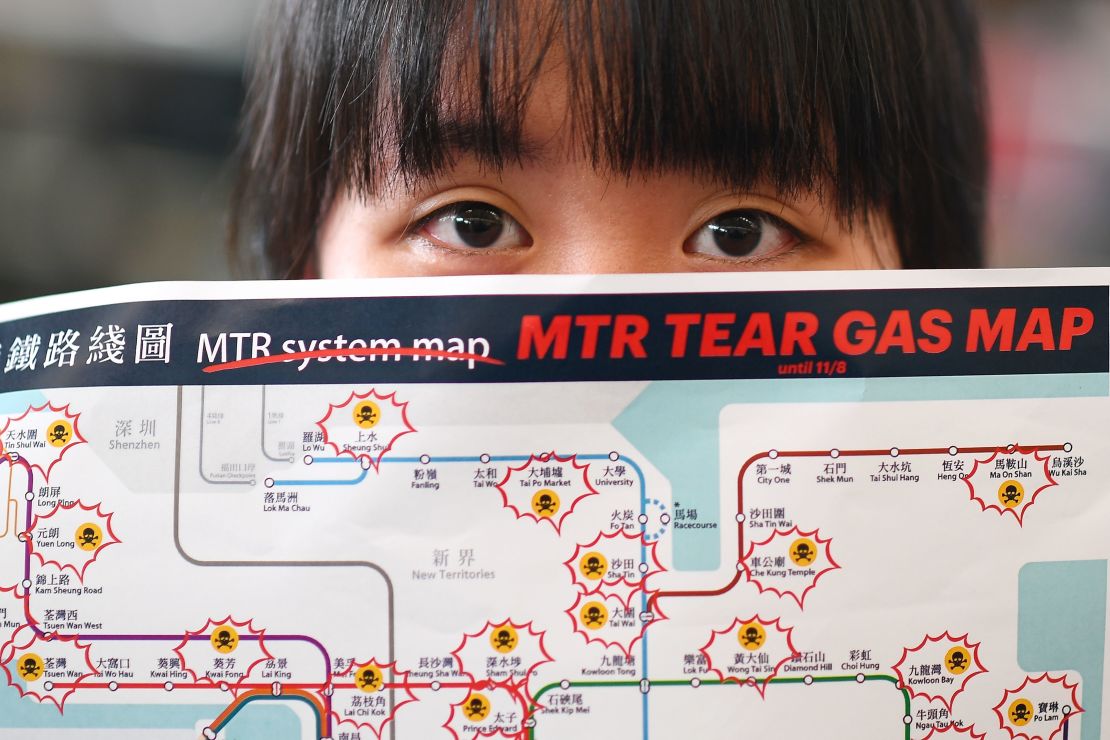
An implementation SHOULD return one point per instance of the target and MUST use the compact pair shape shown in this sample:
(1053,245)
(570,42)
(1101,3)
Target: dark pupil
(736,234)
(478,225)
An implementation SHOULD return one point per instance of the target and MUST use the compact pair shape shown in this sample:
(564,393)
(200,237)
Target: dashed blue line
(654,536)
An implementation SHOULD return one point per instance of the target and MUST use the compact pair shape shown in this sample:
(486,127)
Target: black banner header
(549,338)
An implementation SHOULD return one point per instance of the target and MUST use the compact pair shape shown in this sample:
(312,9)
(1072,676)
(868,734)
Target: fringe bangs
(876,104)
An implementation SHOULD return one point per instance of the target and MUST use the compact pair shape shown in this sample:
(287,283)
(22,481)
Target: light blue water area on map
(1062,626)
(18,402)
(262,720)
(686,447)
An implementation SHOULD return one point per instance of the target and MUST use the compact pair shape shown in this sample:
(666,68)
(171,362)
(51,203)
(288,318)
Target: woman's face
(554,213)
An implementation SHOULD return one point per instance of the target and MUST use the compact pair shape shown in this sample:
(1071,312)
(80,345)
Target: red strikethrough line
(356,352)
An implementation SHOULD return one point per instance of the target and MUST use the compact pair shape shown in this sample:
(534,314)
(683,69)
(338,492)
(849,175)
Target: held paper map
(640,508)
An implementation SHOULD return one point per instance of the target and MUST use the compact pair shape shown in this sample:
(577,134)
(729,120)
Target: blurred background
(117,118)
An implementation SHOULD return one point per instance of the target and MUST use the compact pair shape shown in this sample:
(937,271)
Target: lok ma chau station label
(820,505)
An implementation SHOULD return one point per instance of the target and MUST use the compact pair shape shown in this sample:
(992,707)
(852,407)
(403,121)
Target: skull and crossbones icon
(593,616)
(225,641)
(958,662)
(368,679)
(1020,713)
(89,538)
(751,637)
(476,708)
(803,553)
(59,434)
(505,640)
(30,668)
(367,414)
(545,504)
(593,566)
(1011,495)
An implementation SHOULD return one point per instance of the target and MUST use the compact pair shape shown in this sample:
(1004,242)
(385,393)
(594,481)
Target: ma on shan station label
(550,338)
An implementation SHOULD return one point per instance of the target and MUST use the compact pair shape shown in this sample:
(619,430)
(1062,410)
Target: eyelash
(740,217)
(746,218)
(456,212)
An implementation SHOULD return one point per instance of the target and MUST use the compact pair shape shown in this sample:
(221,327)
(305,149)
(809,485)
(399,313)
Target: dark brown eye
(736,234)
(742,234)
(474,225)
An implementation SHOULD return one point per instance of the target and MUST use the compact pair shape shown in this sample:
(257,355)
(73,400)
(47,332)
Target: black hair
(875,104)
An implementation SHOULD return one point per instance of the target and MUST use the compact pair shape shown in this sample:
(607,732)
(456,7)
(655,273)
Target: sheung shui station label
(540,507)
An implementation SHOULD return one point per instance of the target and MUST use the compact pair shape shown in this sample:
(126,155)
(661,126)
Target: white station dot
(308,459)
(740,566)
(436,685)
(425,459)
(168,686)
(1067,447)
(695,682)
(664,518)
(907,720)
(834,453)
(530,722)
(860,678)
(614,456)
(30,495)
(364,463)
(276,688)
(224,686)
(642,519)
(953,450)
(1066,709)
(894,451)
(643,567)
(49,685)
(808,680)
(773,454)
(740,518)
(1011,448)
(564,684)
(483,458)
(252,482)
(26,583)
(269,482)
(113,686)
(209,733)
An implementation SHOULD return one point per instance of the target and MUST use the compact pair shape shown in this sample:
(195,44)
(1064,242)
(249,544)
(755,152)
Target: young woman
(412,137)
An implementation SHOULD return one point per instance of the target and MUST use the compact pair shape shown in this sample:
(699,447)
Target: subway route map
(846,506)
